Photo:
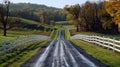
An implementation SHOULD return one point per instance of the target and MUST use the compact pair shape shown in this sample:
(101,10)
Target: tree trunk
(77,29)
(6,21)
(119,27)
(4,29)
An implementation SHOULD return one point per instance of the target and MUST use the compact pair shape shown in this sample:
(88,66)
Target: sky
(53,3)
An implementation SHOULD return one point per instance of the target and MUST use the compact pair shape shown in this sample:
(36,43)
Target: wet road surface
(62,53)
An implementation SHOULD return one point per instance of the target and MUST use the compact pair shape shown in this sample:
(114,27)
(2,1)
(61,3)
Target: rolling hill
(21,23)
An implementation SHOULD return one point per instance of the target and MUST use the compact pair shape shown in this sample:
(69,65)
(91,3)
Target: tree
(74,14)
(91,17)
(2,15)
(113,8)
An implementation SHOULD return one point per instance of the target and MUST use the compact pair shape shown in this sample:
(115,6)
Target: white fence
(16,43)
(101,41)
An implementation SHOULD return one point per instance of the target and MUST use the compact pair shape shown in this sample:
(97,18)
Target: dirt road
(62,53)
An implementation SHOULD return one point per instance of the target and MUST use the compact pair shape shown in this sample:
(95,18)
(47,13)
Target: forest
(97,17)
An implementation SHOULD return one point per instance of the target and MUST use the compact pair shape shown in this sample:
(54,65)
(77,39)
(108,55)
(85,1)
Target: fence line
(101,41)
(16,43)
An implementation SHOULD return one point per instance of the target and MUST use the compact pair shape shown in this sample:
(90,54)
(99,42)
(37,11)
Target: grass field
(106,56)
(16,33)
(64,25)
(16,58)
(28,21)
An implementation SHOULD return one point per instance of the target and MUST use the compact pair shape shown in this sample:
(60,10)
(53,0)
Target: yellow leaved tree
(113,8)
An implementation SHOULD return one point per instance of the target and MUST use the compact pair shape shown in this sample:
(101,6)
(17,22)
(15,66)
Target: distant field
(62,23)
(28,21)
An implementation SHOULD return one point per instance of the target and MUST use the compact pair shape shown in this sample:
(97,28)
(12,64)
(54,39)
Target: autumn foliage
(113,8)
(93,17)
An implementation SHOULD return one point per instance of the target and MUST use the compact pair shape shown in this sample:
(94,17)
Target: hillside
(34,7)
(20,23)
(37,12)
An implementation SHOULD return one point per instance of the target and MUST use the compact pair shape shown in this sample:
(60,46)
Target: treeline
(39,13)
(91,17)
(50,16)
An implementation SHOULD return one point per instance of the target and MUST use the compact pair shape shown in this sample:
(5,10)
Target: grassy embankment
(67,34)
(55,35)
(106,56)
(16,58)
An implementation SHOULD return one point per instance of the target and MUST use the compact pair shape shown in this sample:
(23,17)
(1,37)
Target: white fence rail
(101,41)
(16,43)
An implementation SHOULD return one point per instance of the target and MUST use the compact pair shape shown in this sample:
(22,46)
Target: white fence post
(101,41)
(113,45)
(108,44)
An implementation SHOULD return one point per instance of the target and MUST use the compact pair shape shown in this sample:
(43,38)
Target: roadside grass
(16,58)
(67,34)
(106,56)
(113,36)
(64,25)
(55,34)
(17,33)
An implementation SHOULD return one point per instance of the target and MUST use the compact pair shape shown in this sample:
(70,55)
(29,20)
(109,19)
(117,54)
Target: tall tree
(2,15)
(74,12)
(113,8)
(91,17)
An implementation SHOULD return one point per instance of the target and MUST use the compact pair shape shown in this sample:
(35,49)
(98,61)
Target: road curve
(62,53)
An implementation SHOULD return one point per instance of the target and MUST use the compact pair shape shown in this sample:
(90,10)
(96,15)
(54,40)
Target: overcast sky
(53,3)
